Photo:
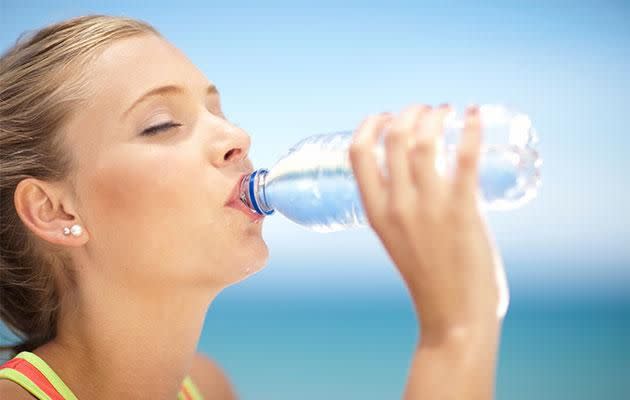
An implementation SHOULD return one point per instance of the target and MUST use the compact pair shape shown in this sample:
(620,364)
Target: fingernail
(472,110)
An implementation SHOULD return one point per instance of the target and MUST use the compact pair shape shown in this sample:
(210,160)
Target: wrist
(461,336)
(458,363)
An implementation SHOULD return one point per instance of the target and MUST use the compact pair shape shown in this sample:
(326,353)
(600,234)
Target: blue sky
(287,70)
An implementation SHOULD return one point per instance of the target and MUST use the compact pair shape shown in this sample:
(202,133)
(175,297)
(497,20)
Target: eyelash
(160,127)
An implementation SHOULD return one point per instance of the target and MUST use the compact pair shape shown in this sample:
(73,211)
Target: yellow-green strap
(61,387)
(20,379)
(192,388)
(49,374)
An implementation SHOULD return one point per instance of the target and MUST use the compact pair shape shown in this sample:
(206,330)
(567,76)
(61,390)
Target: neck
(117,343)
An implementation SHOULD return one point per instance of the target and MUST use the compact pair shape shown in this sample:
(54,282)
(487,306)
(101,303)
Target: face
(154,172)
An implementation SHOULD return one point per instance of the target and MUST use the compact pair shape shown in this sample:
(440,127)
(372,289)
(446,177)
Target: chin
(251,259)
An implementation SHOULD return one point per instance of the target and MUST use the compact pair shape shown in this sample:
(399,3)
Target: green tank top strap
(36,377)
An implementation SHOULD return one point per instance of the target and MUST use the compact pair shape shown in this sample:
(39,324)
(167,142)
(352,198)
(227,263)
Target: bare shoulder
(13,391)
(210,379)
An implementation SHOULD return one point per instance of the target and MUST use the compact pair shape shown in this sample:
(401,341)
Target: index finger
(365,167)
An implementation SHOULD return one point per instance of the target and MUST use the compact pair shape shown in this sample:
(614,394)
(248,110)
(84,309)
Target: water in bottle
(313,184)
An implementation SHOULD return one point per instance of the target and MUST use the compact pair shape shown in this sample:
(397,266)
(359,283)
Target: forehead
(129,67)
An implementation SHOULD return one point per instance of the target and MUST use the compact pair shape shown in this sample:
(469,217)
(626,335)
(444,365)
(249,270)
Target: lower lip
(253,216)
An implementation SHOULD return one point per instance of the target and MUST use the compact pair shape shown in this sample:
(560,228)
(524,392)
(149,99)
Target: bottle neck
(253,192)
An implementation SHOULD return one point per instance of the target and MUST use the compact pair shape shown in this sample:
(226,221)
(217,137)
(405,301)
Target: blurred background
(329,317)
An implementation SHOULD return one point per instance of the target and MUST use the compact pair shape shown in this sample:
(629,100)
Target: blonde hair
(40,86)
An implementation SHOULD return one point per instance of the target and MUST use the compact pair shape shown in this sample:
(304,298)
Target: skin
(159,243)
(431,226)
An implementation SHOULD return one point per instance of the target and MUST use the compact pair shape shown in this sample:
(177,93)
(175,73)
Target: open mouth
(234,201)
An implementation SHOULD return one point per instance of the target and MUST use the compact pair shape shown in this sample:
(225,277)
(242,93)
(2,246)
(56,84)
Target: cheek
(136,191)
(142,199)
(162,216)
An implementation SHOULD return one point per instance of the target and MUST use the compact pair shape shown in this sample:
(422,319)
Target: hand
(431,225)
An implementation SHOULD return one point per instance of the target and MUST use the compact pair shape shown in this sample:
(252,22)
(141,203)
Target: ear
(46,210)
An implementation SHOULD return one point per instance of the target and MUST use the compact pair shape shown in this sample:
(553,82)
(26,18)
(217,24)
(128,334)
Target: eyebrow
(166,90)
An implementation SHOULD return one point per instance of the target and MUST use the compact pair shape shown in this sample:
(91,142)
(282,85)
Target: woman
(117,168)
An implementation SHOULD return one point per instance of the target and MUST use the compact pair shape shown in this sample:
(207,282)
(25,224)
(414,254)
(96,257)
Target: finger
(423,153)
(465,182)
(398,141)
(364,165)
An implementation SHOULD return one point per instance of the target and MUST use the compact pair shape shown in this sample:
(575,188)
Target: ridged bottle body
(313,184)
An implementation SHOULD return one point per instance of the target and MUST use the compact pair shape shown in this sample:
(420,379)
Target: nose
(232,147)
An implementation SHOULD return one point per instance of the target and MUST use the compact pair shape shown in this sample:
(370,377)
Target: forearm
(460,366)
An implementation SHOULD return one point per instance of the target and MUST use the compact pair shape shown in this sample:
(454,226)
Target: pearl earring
(75,230)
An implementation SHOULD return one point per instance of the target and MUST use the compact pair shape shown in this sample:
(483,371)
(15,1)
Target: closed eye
(160,127)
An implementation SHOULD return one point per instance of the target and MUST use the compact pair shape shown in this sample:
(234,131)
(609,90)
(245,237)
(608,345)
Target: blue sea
(318,341)
(334,346)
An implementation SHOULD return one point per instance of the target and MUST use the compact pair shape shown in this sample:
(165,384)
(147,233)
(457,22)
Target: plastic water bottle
(313,183)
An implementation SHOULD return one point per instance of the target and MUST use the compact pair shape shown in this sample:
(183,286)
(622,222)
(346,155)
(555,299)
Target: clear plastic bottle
(313,184)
